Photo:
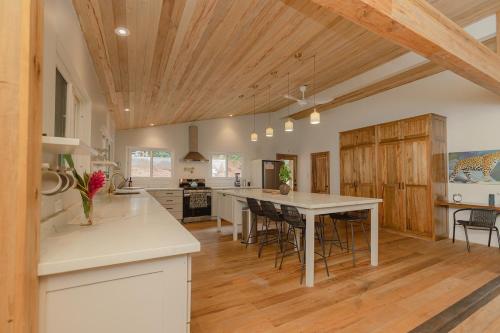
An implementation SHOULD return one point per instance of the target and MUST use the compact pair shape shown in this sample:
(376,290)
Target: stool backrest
(254,206)
(483,218)
(270,211)
(292,216)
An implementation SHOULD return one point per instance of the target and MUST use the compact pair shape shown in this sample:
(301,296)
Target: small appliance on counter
(197,200)
(237,179)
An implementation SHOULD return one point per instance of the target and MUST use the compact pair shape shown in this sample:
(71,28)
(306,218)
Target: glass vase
(88,211)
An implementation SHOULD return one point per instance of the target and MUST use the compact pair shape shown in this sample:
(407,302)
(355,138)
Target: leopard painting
(484,164)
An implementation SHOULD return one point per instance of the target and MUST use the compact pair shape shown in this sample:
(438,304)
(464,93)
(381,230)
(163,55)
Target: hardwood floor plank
(235,291)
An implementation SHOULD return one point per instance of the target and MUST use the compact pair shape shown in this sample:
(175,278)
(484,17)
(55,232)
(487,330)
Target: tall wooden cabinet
(406,163)
(357,163)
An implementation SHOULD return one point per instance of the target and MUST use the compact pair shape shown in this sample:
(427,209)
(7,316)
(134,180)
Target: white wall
(473,118)
(65,48)
(214,136)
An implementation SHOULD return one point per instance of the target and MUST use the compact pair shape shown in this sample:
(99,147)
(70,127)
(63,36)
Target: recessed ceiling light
(122,31)
(126,109)
(230,115)
(151,124)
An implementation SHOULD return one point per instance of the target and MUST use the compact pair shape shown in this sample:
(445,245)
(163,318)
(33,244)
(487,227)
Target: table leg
(309,248)
(219,224)
(374,235)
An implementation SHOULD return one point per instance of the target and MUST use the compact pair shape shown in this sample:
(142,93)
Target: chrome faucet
(112,187)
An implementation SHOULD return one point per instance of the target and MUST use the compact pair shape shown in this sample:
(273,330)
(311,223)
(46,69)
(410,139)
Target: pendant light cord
(269,104)
(314,80)
(288,108)
(254,113)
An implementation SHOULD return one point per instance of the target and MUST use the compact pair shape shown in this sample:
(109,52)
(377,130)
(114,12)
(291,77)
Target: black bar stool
(256,211)
(351,219)
(335,240)
(295,221)
(271,236)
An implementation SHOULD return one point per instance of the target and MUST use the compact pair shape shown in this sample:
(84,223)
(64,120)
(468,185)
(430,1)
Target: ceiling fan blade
(324,100)
(291,97)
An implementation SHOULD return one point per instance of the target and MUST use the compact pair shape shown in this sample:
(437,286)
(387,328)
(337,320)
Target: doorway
(320,172)
(291,161)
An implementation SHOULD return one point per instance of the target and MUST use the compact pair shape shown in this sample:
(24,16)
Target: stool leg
(347,236)
(353,246)
(467,238)
(297,245)
(489,238)
(498,237)
(364,234)
(322,244)
(285,247)
(264,241)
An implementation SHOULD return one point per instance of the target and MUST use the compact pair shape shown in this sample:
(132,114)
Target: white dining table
(310,205)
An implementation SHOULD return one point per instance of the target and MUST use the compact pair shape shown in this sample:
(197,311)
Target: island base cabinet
(148,297)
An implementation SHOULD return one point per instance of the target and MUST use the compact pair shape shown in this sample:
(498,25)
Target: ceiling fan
(303,101)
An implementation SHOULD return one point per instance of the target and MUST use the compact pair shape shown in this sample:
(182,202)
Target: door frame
(295,159)
(327,168)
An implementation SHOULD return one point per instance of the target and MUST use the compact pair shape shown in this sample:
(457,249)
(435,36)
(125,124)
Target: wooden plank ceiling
(188,60)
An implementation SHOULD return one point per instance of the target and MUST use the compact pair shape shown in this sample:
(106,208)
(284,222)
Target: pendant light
(253,136)
(314,117)
(269,129)
(289,122)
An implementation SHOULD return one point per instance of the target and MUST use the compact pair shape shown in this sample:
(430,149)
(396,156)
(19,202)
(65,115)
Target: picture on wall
(474,167)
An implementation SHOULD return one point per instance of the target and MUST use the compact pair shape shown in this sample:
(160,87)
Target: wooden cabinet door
(417,186)
(365,135)
(347,139)
(347,172)
(364,165)
(414,127)
(389,131)
(390,176)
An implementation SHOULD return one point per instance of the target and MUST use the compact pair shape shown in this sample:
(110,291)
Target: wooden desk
(462,205)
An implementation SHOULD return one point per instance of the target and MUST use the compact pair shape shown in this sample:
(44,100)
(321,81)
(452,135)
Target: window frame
(151,150)
(226,160)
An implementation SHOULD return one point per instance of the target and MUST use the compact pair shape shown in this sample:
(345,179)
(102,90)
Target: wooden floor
(234,291)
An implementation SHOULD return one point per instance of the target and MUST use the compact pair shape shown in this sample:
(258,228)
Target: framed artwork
(474,167)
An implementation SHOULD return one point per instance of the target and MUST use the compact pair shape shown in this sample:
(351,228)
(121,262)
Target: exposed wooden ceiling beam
(402,78)
(420,27)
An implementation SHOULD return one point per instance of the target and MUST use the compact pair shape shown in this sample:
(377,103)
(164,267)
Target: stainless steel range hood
(194,155)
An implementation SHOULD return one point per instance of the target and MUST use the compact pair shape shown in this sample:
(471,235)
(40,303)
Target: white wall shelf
(57,145)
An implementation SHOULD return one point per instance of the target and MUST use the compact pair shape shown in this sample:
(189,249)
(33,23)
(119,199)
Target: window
(60,111)
(226,165)
(150,163)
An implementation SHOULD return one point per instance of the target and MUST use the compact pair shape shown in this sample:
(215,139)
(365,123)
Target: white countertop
(127,228)
(302,199)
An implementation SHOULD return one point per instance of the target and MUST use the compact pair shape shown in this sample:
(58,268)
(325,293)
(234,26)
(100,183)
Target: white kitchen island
(309,204)
(130,272)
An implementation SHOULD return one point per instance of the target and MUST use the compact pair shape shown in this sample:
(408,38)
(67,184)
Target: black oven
(197,203)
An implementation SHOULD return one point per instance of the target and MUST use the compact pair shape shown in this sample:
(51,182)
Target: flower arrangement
(88,185)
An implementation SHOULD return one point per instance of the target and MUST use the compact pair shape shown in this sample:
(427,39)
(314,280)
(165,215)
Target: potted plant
(285,176)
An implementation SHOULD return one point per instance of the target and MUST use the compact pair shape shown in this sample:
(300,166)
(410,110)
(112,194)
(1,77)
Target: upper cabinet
(415,127)
(357,137)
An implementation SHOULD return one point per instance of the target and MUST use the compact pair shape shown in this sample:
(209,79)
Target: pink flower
(96,181)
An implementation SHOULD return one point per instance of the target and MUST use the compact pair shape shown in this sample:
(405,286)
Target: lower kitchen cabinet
(171,200)
(224,206)
(148,296)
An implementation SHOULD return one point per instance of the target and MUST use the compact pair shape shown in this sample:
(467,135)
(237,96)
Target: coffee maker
(237,179)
